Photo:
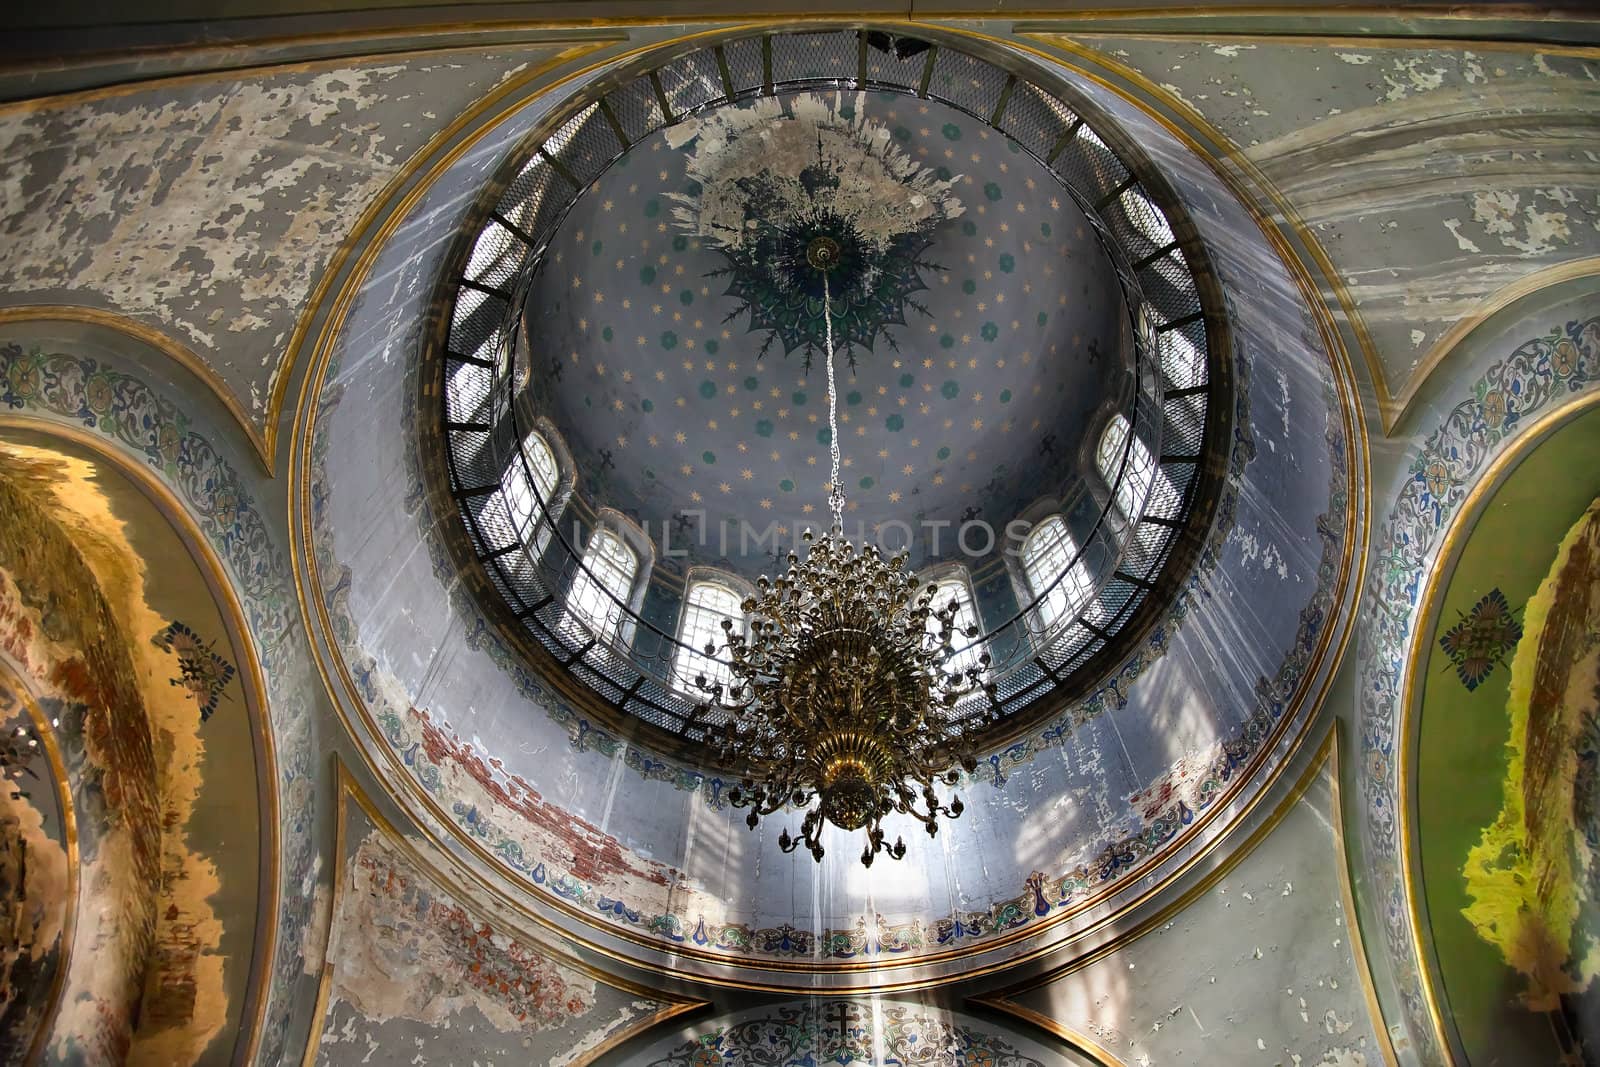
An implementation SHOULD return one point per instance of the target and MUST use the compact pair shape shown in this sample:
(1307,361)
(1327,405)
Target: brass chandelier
(839,701)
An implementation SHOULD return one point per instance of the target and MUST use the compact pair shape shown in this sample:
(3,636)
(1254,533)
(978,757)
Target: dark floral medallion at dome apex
(813,205)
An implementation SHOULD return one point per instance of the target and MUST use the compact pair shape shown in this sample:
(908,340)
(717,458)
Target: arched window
(1183,364)
(531,501)
(955,586)
(705,606)
(1047,555)
(602,589)
(1130,477)
(1146,218)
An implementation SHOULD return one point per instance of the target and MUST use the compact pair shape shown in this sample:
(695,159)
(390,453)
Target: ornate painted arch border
(1508,411)
(148,436)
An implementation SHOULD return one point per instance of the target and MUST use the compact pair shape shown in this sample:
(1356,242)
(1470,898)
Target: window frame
(1073,588)
(612,525)
(967,650)
(688,657)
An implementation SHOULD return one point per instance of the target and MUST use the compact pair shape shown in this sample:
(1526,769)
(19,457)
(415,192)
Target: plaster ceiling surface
(676,403)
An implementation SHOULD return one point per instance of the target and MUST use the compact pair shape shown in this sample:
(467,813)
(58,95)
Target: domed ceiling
(972,402)
(520,734)
(668,259)
(693,399)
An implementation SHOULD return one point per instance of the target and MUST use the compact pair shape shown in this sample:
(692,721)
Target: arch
(1446,346)
(231,610)
(160,342)
(1458,465)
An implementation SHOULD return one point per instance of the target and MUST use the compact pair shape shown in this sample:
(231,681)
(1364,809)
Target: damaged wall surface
(210,209)
(397,842)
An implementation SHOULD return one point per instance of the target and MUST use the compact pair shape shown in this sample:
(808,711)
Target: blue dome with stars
(691,395)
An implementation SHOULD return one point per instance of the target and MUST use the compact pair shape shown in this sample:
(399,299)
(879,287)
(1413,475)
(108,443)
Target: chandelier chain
(835,484)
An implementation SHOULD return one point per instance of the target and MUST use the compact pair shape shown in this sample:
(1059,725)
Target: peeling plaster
(210,211)
(1259,965)
(1405,162)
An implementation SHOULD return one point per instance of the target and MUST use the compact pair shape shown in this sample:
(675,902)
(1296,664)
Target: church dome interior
(668,536)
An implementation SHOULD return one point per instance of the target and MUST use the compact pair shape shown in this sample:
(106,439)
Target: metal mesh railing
(618,651)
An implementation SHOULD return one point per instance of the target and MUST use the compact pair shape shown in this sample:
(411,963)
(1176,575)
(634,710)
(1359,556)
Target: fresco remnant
(1534,874)
(410,952)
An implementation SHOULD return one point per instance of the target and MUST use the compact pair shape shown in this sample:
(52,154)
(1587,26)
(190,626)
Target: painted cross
(848,1014)
(1482,638)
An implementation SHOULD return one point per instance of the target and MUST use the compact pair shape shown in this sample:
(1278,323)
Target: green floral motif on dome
(858,191)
